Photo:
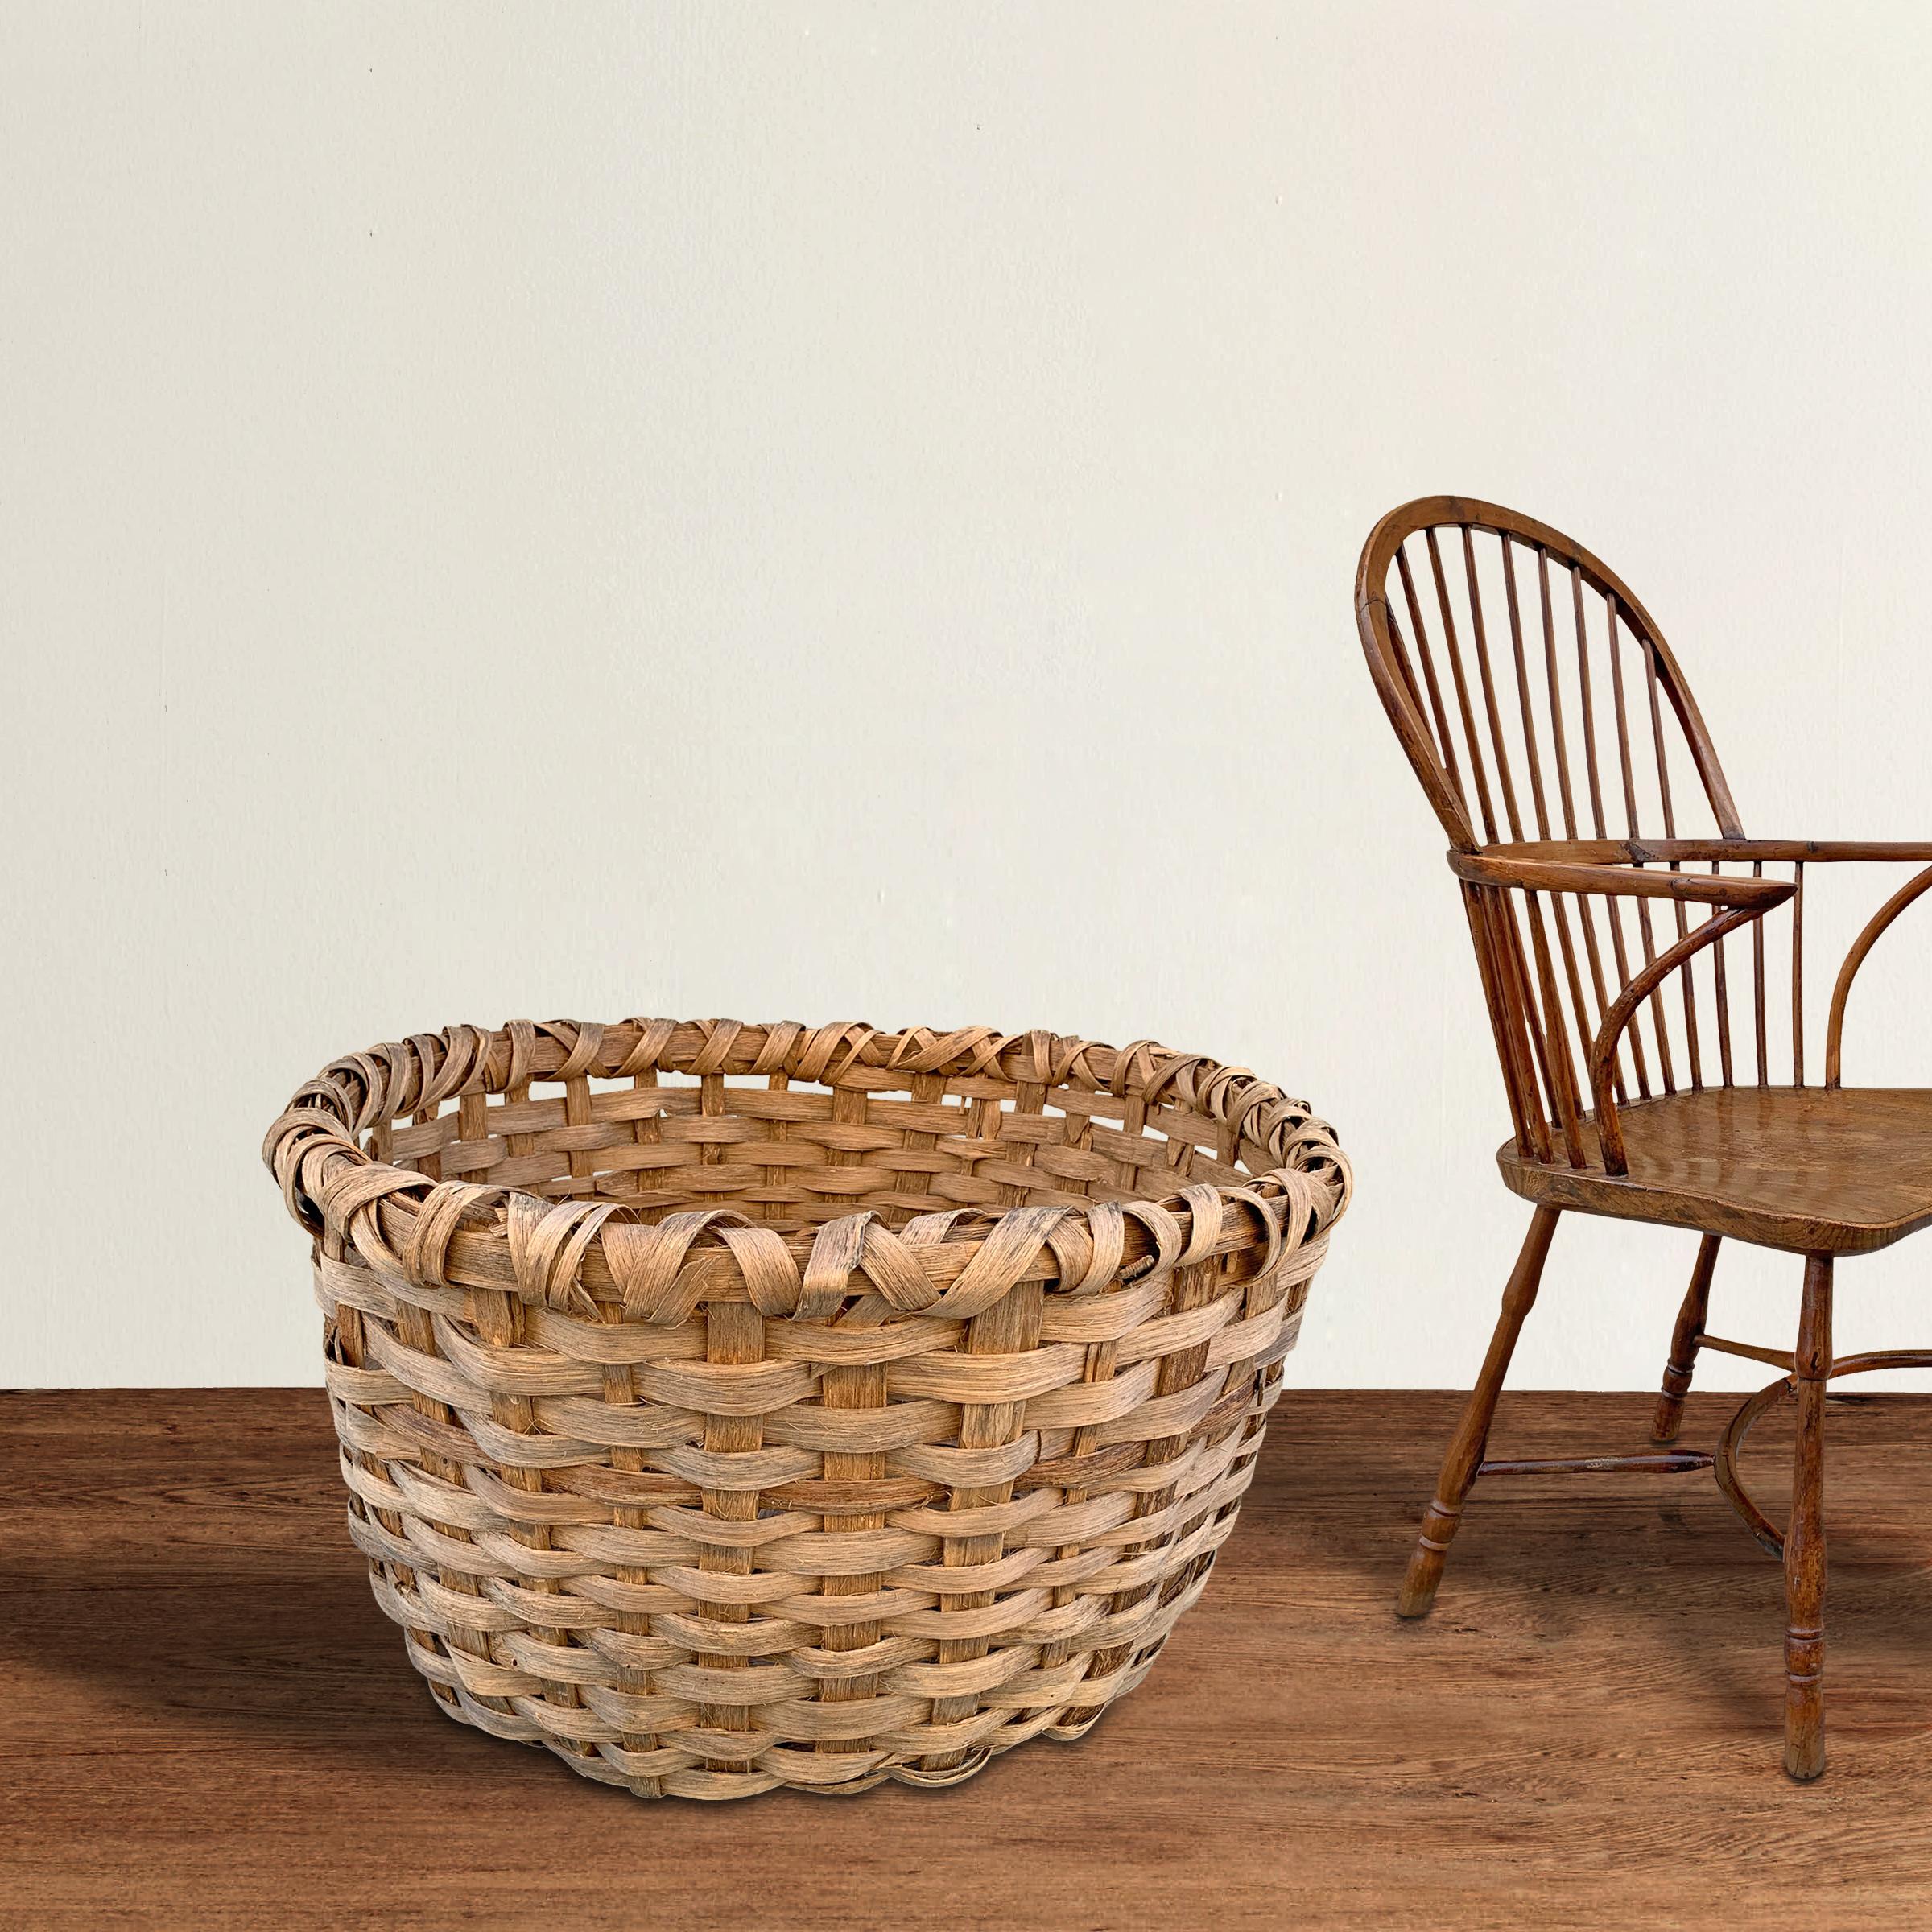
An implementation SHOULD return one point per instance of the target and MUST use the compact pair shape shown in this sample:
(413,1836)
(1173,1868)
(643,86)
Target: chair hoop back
(1471,733)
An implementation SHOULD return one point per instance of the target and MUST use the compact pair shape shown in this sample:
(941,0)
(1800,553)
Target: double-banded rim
(604,1257)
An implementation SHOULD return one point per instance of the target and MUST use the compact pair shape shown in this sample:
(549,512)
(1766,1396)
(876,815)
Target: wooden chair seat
(1836,1171)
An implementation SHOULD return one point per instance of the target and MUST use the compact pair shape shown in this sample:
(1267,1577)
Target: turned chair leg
(1805,1537)
(1465,1456)
(1685,1339)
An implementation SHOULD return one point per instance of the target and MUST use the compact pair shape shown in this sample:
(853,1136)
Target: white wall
(841,511)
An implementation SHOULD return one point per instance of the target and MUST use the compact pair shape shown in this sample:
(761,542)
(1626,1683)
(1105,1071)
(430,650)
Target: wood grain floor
(206,1722)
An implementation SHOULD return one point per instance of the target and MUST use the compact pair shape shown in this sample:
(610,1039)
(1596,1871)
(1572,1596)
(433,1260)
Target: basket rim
(574,1253)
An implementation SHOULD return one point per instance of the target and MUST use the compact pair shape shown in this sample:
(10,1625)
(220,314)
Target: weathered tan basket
(729,1406)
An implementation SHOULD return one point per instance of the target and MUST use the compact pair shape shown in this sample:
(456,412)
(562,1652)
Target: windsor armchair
(1631,992)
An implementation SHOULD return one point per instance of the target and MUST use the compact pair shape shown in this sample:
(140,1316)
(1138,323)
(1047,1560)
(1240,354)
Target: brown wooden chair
(1631,985)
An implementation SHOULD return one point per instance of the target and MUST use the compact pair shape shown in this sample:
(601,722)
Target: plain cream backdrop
(850,512)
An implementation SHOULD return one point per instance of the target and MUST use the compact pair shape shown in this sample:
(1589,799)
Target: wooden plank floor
(206,1722)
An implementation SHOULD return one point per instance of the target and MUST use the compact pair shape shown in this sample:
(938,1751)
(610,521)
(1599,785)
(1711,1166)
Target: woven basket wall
(724,1406)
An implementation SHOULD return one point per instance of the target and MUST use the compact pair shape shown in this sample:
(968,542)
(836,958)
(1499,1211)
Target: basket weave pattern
(728,1407)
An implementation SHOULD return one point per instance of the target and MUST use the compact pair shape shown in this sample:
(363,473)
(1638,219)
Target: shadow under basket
(725,1407)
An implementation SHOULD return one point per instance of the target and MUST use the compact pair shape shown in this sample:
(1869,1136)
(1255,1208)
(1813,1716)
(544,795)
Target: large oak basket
(726,1406)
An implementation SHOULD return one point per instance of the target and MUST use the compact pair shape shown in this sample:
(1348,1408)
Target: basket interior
(795,1153)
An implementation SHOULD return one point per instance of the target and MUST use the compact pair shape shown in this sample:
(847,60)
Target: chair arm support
(1622,1010)
(1621,880)
(1863,944)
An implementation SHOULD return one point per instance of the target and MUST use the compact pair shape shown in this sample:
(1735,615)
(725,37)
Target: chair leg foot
(1465,1453)
(1425,1572)
(1685,1340)
(1805,1539)
(1804,1728)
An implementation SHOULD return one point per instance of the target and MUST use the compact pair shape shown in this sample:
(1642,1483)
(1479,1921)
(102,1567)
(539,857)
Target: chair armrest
(1673,852)
(1618,867)
(1823,851)
(1874,930)
(1615,878)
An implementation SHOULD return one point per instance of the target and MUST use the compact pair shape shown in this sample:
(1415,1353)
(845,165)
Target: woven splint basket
(727,1406)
